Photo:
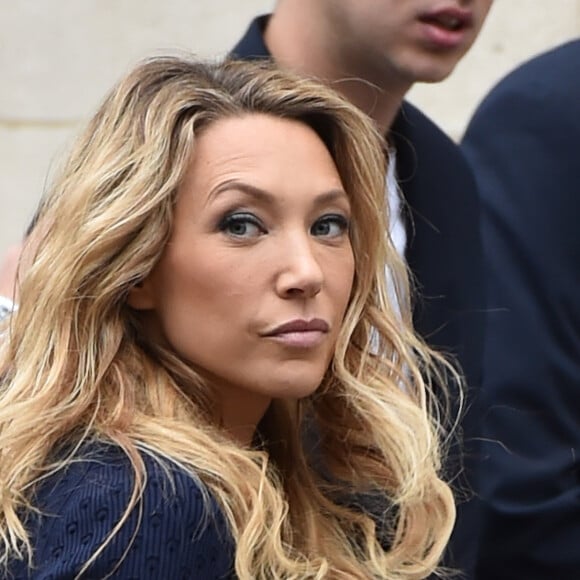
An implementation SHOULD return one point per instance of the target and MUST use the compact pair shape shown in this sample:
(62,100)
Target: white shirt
(396,224)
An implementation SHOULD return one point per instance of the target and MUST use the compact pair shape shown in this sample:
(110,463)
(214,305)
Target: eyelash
(233,219)
(241,218)
(341,221)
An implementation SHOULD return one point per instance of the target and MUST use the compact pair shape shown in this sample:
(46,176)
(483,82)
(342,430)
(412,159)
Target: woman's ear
(142,296)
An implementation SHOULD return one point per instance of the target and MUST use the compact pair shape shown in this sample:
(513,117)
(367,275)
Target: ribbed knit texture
(177,538)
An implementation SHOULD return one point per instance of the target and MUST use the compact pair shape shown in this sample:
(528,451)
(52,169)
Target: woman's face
(255,280)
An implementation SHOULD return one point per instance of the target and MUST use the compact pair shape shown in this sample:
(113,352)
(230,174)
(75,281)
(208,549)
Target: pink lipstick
(300,333)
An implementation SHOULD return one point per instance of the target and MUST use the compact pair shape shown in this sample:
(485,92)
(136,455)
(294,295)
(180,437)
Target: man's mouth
(451,19)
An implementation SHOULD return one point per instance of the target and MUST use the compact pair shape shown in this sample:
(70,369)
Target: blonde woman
(207,293)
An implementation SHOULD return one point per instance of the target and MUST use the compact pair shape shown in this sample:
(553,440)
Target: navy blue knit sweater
(177,538)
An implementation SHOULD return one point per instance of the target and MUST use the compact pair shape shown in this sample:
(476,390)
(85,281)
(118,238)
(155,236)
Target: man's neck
(297,46)
(379,104)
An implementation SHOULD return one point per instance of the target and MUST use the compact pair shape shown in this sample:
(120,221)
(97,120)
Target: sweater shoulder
(174,530)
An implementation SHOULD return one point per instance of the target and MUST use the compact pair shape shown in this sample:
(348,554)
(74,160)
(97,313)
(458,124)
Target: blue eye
(242,225)
(330,226)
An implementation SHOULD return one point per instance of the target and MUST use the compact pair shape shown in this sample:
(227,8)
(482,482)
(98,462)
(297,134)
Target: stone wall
(58,57)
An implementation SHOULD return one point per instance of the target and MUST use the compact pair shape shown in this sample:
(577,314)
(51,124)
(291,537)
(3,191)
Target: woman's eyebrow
(241,186)
(265,196)
(331,195)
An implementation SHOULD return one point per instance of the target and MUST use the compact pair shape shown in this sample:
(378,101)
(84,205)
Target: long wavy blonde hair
(78,364)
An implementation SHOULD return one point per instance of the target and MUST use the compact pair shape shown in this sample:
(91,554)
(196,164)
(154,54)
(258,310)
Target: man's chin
(424,72)
(431,75)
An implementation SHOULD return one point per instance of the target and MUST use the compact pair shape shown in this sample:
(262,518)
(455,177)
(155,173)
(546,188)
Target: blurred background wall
(59,57)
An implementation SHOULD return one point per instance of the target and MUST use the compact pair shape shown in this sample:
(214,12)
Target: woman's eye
(242,226)
(330,226)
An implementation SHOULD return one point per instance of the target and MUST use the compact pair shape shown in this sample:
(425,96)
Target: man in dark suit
(523,143)
(373,52)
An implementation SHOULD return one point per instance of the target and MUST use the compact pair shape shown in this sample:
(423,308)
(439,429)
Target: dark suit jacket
(524,145)
(443,244)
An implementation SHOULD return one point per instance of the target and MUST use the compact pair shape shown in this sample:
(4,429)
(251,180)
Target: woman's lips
(300,339)
(299,333)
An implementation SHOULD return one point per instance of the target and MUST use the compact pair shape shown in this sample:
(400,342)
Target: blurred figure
(373,51)
(8,270)
(523,145)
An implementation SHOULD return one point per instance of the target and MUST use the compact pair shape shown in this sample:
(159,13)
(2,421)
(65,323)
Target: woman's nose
(300,270)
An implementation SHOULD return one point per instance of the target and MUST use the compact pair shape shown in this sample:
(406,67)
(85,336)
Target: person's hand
(8,269)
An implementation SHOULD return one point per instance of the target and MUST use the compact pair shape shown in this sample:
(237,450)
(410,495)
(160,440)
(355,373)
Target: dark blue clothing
(444,254)
(176,538)
(523,143)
